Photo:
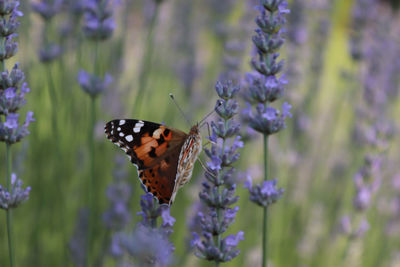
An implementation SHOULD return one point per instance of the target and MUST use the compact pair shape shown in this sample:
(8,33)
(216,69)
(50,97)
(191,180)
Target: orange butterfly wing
(154,149)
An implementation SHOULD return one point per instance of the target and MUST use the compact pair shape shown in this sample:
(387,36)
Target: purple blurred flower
(15,196)
(8,7)
(167,219)
(78,242)
(218,191)
(353,228)
(118,216)
(363,13)
(148,246)
(10,26)
(47,9)
(92,84)
(50,52)
(98,21)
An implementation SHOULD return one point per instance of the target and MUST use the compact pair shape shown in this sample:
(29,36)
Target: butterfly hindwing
(153,148)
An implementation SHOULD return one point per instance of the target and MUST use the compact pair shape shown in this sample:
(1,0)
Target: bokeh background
(340,56)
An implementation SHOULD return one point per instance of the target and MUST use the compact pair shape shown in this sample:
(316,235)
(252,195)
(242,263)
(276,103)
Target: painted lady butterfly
(164,156)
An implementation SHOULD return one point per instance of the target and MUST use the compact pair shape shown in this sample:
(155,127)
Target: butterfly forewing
(154,149)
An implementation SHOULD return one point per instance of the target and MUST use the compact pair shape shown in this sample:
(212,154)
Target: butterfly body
(164,156)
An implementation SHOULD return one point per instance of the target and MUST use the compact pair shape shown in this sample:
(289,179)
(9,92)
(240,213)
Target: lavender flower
(363,12)
(148,244)
(265,194)
(92,84)
(372,123)
(263,84)
(78,242)
(219,188)
(98,21)
(118,216)
(10,130)
(50,52)
(12,92)
(17,196)
(265,87)
(12,86)
(48,9)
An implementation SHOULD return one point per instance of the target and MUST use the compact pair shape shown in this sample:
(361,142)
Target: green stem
(55,134)
(96,59)
(146,62)
(8,213)
(265,214)
(92,182)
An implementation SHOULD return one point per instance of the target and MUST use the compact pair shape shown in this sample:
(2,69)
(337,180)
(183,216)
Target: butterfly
(164,156)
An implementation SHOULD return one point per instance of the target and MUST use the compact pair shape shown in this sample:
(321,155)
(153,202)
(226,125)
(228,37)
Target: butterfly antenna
(180,110)
(201,123)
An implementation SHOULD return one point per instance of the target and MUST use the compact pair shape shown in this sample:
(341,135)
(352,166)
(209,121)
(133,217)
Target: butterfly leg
(206,168)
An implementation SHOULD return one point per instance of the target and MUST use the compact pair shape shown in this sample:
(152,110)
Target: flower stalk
(265,87)
(12,92)
(98,26)
(219,187)
(8,212)
(265,212)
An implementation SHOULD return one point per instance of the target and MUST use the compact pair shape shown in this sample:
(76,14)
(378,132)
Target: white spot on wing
(121,122)
(138,126)
(129,138)
(121,134)
(119,129)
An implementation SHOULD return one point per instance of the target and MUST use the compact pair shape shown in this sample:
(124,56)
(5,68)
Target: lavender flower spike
(12,92)
(218,192)
(98,21)
(264,194)
(17,196)
(148,244)
(265,87)
(92,84)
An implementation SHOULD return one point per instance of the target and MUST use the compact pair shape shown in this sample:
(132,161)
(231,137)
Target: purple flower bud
(8,48)
(12,121)
(233,240)
(47,9)
(92,84)
(215,163)
(50,52)
(148,246)
(98,23)
(12,198)
(218,191)
(168,220)
(265,194)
